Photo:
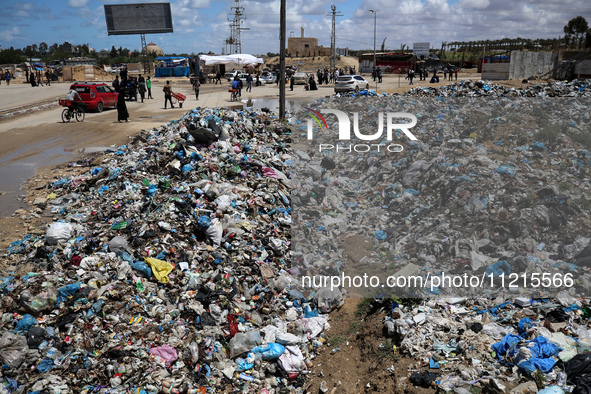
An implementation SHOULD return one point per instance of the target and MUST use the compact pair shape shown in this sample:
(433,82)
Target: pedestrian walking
(291,81)
(48,77)
(116,84)
(122,113)
(248,83)
(411,75)
(196,86)
(456,72)
(167,89)
(149,87)
(379,75)
(7,78)
(142,87)
(444,72)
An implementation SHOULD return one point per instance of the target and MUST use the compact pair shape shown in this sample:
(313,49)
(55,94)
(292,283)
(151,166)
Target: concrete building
(153,49)
(305,47)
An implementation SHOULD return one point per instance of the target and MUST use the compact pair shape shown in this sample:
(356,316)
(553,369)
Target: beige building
(305,47)
(153,49)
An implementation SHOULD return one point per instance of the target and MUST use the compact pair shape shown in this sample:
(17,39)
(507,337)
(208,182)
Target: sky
(203,26)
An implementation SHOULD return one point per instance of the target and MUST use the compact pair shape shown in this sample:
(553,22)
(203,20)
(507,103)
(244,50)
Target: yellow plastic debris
(160,269)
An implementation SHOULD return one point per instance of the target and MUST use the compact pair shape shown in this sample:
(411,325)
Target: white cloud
(199,4)
(10,35)
(78,3)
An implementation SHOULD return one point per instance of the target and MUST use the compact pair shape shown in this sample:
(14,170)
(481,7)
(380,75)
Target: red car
(97,96)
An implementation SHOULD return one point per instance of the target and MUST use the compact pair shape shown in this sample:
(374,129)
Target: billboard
(141,18)
(421,49)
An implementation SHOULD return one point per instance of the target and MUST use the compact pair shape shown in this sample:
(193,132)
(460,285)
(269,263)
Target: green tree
(43,48)
(113,53)
(11,56)
(29,51)
(575,31)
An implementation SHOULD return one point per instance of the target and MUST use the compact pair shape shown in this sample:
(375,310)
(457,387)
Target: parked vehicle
(231,74)
(97,96)
(301,78)
(347,83)
(268,77)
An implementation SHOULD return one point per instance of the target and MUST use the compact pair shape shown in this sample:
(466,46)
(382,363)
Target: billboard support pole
(145,54)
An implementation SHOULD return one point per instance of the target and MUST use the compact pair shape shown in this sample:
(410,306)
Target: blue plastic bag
(497,269)
(270,352)
(143,268)
(24,324)
(65,292)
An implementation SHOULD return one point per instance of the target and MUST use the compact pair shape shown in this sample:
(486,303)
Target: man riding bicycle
(75,99)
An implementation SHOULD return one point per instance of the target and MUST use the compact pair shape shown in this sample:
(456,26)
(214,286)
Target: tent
(239,58)
(172,66)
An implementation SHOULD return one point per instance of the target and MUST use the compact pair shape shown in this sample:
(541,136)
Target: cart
(180,98)
(71,112)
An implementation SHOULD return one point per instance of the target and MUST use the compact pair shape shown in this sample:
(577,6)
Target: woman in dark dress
(122,113)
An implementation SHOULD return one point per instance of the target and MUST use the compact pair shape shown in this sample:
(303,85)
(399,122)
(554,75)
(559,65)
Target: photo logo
(317,117)
(344,133)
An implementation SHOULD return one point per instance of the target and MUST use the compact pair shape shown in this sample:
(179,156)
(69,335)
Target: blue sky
(202,25)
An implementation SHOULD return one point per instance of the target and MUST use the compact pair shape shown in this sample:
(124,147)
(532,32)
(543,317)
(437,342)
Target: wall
(527,64)
(495,71)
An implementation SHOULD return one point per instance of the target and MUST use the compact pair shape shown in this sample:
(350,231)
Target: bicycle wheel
(80,114)
(66,115)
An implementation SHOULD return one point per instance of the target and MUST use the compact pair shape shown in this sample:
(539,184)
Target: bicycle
(233,95)
(71,112)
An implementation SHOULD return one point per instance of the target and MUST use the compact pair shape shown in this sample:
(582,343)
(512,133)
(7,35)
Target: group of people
(130,86)
(35,78)
(376,74)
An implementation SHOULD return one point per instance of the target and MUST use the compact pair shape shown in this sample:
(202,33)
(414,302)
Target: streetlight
(375,65)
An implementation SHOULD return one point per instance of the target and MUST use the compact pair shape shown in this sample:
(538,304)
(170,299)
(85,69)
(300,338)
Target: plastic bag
(292,360)
(24,324)
(58,232)
(142,268)
(244,342)
(160,269)
(43,301)
(13,349)
(287,339)
(328,299)
(269,352)
(118,244)
(67,291)
(214,232)
(165,352)
(499,268)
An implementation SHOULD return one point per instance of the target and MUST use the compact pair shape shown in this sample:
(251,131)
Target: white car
(268,78)
(347,83)
(231,74)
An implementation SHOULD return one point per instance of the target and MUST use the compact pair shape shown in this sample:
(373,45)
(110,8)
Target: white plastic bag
(58,232)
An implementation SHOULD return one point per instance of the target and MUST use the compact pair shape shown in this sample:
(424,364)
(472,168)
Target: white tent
(241,59)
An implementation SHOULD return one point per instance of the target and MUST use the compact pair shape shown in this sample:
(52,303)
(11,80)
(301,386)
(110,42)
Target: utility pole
(333,57)
(375,65)
(282,23)
(235,28)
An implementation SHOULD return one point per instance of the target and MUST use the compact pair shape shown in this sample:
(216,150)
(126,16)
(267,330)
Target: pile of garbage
(165,270)
(493,188)
(468,88)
